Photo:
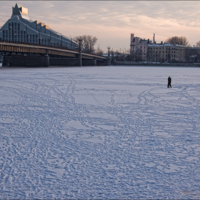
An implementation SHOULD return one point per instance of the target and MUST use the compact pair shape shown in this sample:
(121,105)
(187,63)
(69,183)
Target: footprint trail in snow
(99,133)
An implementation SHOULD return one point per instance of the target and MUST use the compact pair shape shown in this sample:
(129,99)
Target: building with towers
(138,47)
(146,50)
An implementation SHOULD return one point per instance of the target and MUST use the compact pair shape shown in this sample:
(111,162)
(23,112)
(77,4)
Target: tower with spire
(154,39)
(19,10)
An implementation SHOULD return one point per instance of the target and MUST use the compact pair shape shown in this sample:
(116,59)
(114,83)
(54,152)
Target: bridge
(30,55)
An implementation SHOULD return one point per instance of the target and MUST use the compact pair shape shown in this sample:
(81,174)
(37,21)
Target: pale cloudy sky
(113,21)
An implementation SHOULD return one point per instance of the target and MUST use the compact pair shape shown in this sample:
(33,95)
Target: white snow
(99,133)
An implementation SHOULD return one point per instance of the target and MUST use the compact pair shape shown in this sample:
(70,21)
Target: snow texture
(99,133)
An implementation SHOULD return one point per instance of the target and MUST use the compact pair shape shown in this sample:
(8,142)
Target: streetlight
(108,59)
(108,51)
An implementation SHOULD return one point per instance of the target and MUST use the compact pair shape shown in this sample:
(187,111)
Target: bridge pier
(101,62)
(25,61)
(46,61)
(59,61)
(89,62)
(55,61)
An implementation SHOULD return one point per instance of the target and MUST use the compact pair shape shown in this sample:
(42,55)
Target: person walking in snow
(169,82)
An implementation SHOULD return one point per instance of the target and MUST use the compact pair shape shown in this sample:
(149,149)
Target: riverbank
(156,64)
(124,63)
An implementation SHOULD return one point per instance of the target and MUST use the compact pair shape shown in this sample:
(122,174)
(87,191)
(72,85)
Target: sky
(112,22)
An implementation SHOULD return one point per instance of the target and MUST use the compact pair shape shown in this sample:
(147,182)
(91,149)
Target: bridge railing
(46,45)
(42,45)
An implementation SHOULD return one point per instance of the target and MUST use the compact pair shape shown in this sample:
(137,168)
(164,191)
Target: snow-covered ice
(99,133)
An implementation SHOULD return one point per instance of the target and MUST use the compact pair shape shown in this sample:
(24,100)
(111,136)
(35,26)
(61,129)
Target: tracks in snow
(71,135)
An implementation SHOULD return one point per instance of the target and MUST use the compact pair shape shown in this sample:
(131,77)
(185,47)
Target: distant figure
(169,82)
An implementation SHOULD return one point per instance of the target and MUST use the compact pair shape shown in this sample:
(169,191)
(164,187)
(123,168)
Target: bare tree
(119,55)
(178,40)
(99,51)
(198,44)
(88,42)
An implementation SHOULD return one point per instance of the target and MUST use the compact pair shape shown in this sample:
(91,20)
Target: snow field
(99,133)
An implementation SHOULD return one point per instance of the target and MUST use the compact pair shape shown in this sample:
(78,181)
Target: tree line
(88,43)
(180,40)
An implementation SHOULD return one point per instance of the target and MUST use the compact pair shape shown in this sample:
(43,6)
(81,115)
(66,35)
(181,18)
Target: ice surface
(99,133)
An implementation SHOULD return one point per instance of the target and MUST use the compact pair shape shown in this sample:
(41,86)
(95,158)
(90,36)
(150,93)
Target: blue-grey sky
(113,21)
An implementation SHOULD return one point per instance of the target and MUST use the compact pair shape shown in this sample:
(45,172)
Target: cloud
(115,18)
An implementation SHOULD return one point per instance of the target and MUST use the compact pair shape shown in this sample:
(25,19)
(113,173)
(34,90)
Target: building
(192,54)
(146,50)
(138,48)
(19,28)
(164,52)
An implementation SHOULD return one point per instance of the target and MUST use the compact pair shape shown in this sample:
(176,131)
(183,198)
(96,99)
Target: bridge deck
(36,49)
